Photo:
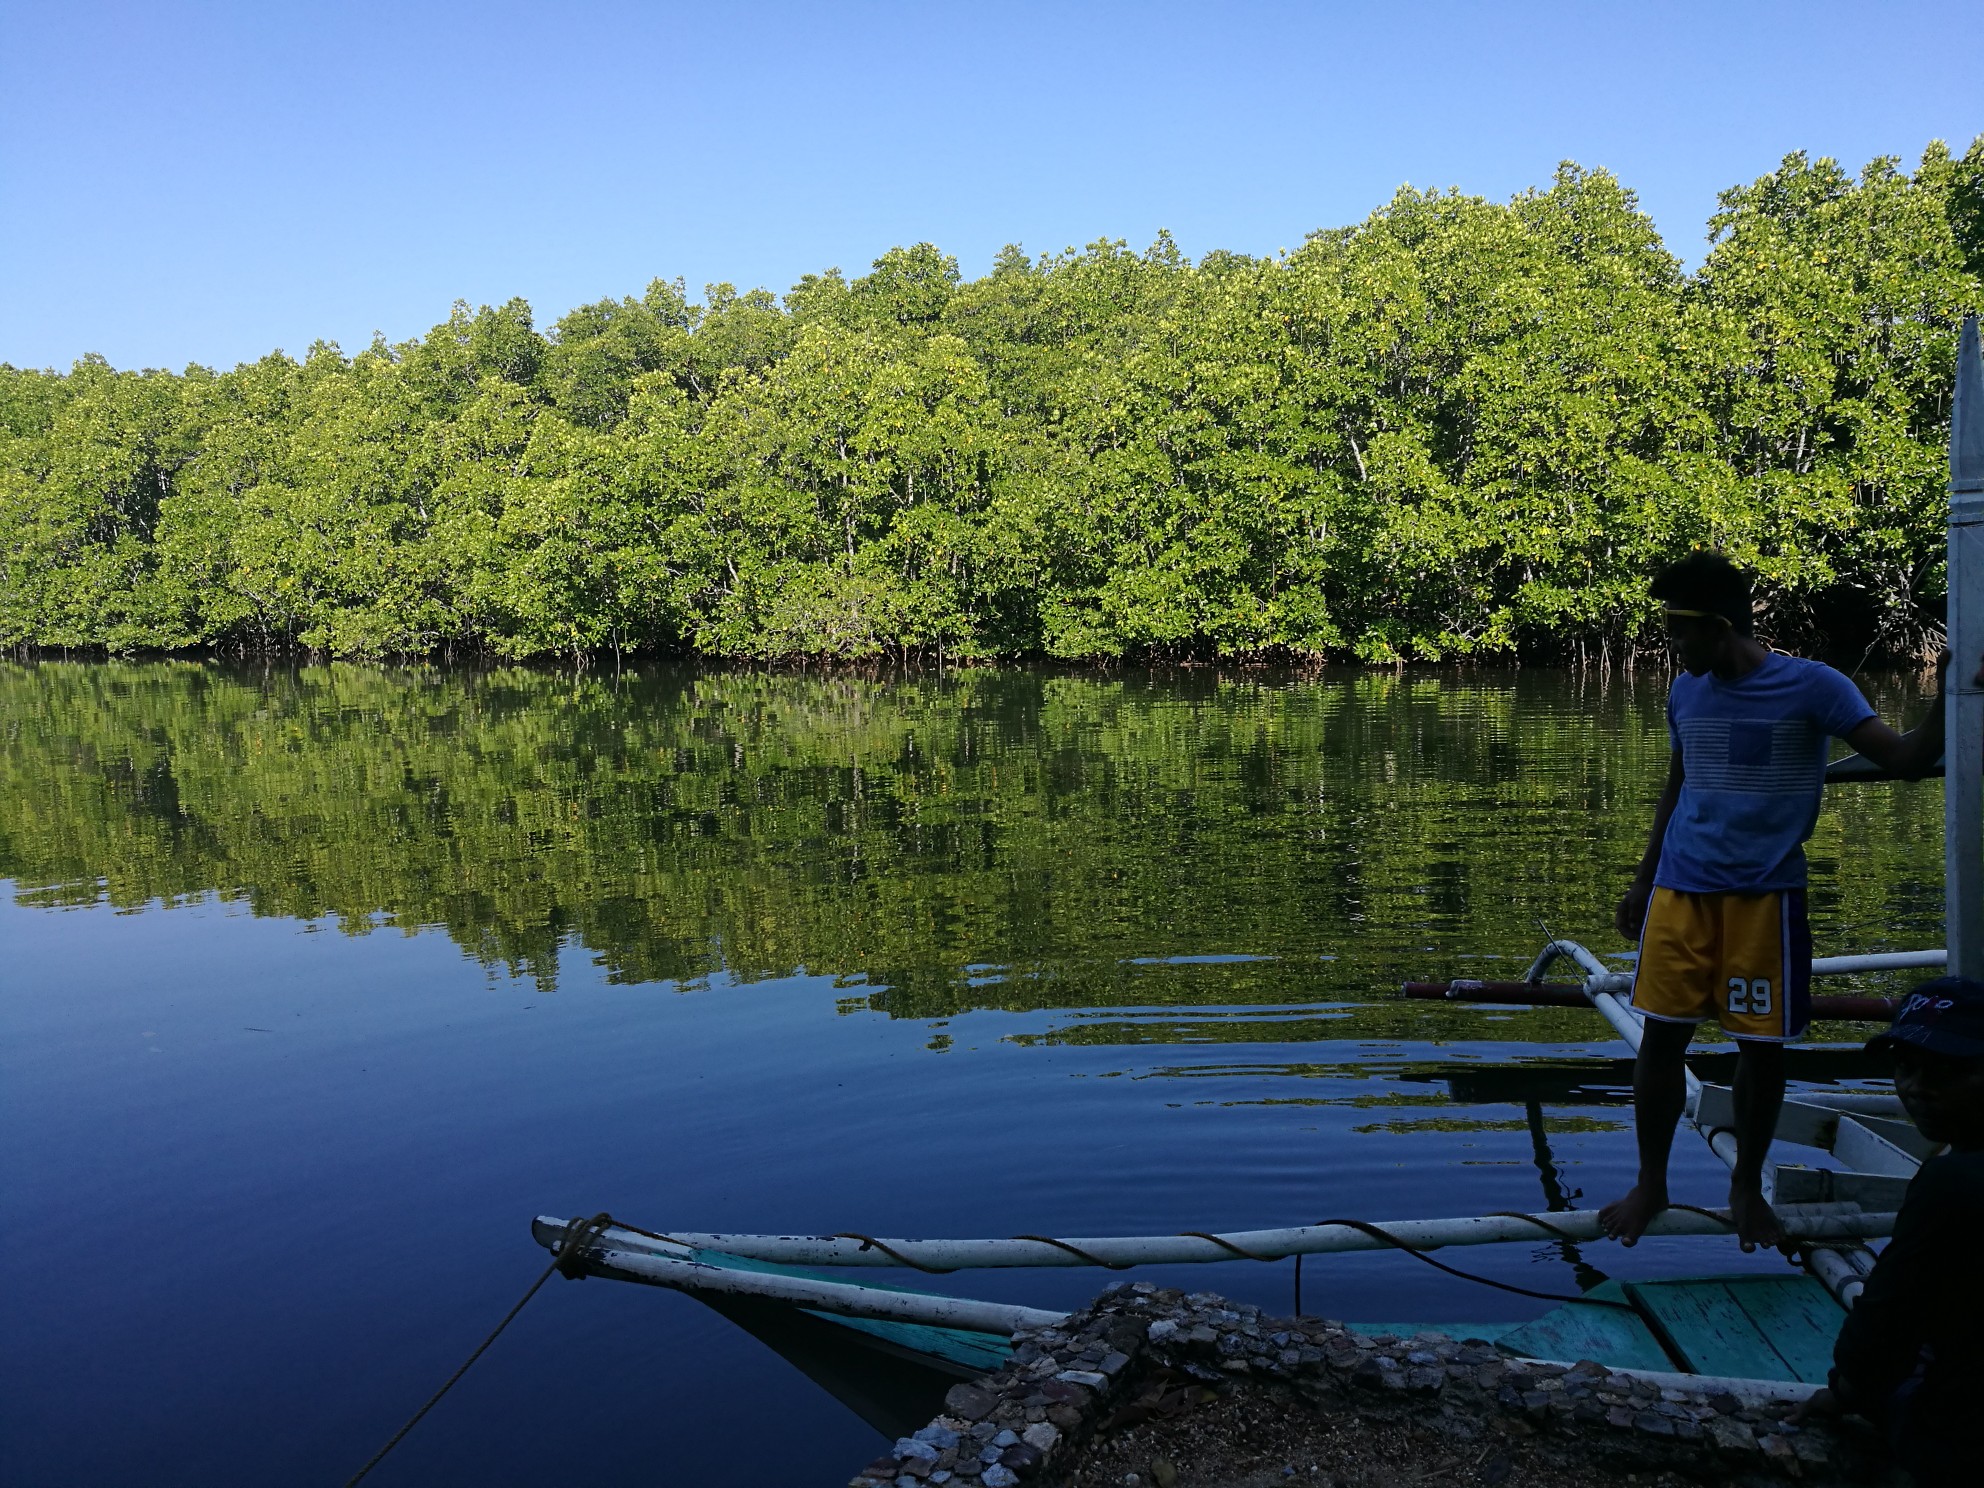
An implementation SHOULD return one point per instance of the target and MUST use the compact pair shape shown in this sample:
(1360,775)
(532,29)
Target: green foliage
(1458,428)
(1821,331)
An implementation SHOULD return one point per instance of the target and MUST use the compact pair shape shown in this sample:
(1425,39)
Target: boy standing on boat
(1718,903)
(1910,1357)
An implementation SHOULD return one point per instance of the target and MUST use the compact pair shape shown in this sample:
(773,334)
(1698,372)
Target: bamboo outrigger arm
(629,1255)
(626,1255)
(1831,1223)
(1534,992)
(612,1254)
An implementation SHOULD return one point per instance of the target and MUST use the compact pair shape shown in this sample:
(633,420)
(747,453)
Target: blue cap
(1945,1016)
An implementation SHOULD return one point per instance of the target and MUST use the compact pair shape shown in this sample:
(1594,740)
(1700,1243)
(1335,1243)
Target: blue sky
(186,182)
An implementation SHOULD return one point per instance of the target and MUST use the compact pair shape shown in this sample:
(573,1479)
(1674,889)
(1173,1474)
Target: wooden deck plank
(1609,1335)
(1799,1317)
(1704,1324)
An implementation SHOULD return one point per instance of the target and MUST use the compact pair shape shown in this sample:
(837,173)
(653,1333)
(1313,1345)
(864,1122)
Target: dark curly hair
(1705,580)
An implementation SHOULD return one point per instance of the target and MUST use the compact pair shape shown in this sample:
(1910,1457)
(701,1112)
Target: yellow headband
(1675,610)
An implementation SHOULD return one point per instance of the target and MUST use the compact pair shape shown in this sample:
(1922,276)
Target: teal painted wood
(1708,1331)
(729,1262)
(1748,1327)
(1578,1330)
(1754,1327)
(980,1352)
(1799,1316)
(1606,1335)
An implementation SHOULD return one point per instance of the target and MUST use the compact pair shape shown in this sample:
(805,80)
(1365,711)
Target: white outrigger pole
(706,1264)
(1827,1222)
(1963,725)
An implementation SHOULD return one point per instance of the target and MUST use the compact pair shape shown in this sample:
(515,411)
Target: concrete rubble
(1035,1421)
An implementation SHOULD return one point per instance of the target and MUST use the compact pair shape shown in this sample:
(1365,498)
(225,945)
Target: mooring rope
(1077,1252)
(1376,1233)
(1722,1219)
(1542,1224)
(869,1242)
(579,1234)
(1227,1245)
(621,1224)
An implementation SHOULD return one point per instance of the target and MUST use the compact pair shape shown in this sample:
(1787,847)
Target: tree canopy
(1458,428)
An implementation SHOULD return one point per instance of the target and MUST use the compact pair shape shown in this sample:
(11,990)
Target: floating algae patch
(1551,1124)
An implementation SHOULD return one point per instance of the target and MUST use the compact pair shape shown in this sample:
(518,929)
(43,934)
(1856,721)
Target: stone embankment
(1154,1387)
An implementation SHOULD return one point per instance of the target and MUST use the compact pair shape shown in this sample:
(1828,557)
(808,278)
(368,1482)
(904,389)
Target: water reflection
(981,839)
(974,954)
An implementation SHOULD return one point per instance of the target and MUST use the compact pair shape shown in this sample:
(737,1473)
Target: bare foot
(1756,1221)
(1625,1220)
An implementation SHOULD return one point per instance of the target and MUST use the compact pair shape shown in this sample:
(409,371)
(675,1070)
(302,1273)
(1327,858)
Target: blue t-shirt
(1753,755)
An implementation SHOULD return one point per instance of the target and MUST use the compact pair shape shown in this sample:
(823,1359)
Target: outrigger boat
(1752,1334)
(889,1352)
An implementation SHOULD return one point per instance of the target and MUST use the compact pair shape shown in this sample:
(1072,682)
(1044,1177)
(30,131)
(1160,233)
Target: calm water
(317,984)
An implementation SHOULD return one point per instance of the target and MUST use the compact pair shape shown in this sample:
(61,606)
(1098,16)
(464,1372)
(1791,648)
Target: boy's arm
(1631,914)
(1910,755)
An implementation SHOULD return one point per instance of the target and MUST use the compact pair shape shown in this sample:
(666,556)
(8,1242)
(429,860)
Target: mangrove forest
(1459,428)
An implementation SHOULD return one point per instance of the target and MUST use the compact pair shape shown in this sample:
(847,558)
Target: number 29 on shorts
(1750,995)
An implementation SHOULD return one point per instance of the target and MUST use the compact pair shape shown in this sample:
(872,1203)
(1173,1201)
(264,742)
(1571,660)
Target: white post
(1963,743)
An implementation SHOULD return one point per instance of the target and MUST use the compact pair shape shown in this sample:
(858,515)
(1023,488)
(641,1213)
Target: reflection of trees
(1011,839)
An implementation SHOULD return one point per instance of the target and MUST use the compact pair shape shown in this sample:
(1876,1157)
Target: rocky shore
(1155,1387)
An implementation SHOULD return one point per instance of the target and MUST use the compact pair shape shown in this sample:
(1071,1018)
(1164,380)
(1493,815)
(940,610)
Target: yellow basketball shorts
(1743,959)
